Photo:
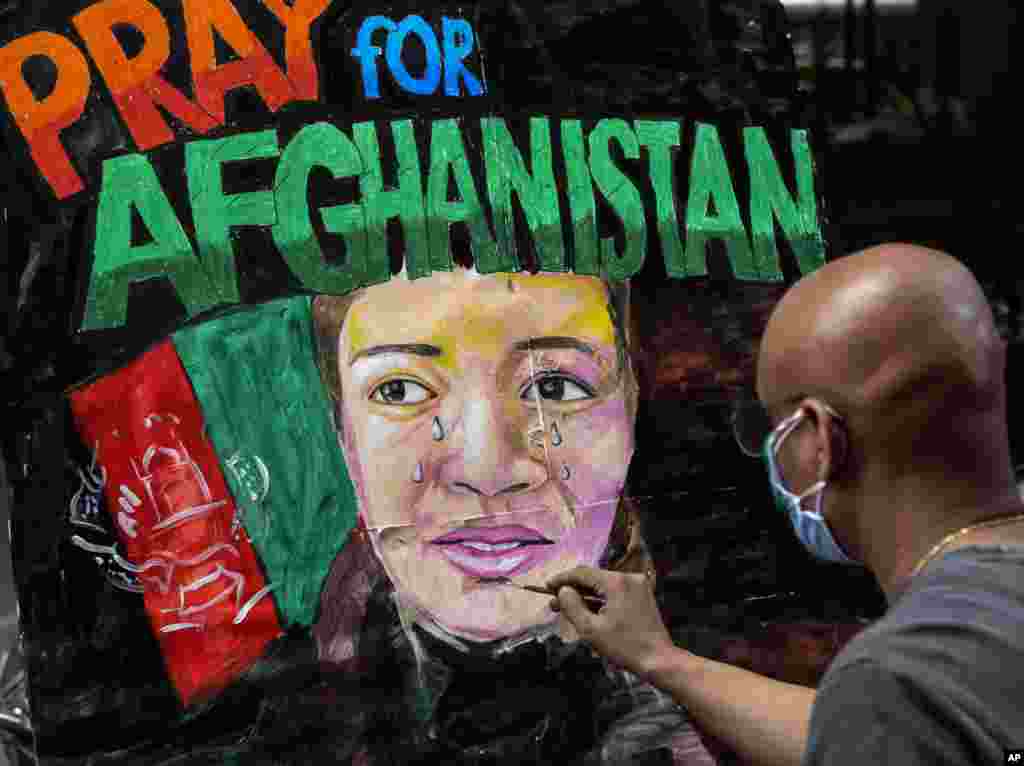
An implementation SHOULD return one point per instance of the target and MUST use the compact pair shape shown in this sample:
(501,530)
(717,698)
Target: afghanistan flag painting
(186,438)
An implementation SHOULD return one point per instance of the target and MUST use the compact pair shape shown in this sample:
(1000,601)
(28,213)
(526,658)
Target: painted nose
(493,459)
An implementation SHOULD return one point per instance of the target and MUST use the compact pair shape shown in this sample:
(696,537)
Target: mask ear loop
(784,429)
(820,485)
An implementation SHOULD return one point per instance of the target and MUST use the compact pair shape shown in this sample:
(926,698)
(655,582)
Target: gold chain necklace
(952,537)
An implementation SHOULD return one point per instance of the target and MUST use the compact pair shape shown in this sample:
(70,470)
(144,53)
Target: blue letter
(432,75)
(367,53)
(458,43)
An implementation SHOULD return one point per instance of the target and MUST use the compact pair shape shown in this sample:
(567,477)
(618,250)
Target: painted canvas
(339,323)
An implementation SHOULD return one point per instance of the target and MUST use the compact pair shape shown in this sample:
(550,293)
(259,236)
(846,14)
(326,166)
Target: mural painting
(340,325)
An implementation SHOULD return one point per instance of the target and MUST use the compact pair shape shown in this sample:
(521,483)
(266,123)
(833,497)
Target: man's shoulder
(972,597)
(869,713)
(932,680)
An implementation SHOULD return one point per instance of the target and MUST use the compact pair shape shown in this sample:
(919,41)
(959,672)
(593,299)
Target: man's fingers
(586,578)
(572,606)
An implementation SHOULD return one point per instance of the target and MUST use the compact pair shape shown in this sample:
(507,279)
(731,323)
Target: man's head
(894,358)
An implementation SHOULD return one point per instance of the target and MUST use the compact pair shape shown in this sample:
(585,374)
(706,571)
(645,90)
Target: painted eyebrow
(418,349)
(553,342)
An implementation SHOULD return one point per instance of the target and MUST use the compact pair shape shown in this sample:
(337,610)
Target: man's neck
(917,534)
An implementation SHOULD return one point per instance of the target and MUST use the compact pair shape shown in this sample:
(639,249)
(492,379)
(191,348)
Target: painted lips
(493,551)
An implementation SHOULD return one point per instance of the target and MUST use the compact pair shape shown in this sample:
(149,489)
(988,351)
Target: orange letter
(41,120)
(255,66)
(297,19)
(134,83)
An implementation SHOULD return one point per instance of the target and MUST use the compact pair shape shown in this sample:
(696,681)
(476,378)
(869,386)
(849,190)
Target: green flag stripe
(254,373)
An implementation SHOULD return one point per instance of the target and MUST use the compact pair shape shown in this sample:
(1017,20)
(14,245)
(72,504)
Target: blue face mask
(810,526)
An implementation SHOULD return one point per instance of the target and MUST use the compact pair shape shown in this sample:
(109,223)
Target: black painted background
(728,562)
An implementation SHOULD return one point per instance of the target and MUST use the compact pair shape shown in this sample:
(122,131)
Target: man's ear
(830,432)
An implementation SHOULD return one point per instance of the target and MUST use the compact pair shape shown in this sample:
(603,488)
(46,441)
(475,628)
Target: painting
(507,404)
(339,324)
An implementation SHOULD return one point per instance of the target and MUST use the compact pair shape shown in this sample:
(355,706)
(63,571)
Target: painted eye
(401,391)
(557,388)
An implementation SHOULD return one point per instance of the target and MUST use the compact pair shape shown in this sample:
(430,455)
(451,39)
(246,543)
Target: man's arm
(764,720)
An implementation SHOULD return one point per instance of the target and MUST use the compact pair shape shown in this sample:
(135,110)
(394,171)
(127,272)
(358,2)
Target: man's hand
(628,629)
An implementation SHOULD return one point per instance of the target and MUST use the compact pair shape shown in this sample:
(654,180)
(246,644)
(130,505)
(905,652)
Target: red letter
(255,66)
(134,83)
(297,20)
(41,120)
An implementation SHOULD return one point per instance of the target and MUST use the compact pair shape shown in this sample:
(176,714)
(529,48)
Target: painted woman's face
(488,427)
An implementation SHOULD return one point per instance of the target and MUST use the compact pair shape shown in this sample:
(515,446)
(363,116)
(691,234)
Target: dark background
(914,120)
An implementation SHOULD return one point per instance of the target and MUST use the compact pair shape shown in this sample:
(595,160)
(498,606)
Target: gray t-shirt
(939,679)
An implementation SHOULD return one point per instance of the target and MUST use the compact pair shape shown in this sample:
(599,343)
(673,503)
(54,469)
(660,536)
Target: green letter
(769,196)
(710,182)
(215,212)
(319,145)
(128,182)
(622,195)
(581,200)
(405,202)
(448,154)
(660,138)
(537,193)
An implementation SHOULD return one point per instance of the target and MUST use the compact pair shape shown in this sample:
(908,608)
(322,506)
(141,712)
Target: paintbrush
(590,599)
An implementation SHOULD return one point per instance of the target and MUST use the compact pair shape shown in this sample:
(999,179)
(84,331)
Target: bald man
(883,377)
